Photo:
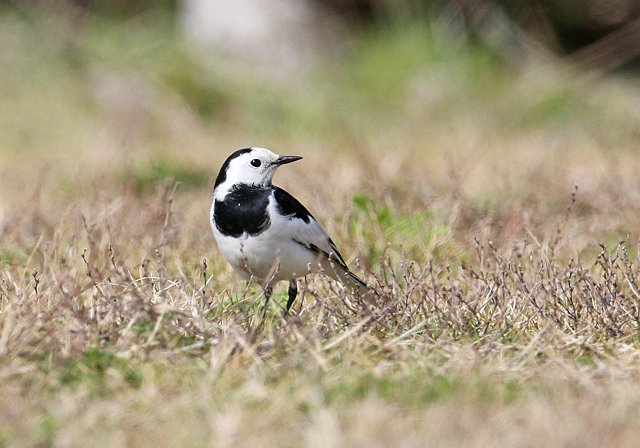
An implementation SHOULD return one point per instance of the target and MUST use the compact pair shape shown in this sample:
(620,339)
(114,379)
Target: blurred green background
(118,76)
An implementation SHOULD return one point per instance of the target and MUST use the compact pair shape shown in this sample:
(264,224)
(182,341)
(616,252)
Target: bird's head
(252,166)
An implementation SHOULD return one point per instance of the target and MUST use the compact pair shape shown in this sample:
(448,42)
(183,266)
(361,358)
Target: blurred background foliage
(563,26)
(127,77)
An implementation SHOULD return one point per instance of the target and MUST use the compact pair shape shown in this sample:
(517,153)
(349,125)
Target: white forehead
(263,153)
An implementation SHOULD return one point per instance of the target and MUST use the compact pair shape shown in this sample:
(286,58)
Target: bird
(265,233)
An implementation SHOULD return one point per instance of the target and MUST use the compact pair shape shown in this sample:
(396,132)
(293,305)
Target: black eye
(256,163)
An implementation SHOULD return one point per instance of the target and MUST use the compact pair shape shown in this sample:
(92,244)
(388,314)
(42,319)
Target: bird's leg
(293,293)
(268,291)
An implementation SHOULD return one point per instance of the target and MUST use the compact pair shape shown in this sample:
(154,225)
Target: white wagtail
(266,234)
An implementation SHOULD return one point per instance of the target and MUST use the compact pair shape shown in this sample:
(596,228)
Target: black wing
(289,206)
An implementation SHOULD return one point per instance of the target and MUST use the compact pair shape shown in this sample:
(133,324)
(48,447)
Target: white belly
(264,257)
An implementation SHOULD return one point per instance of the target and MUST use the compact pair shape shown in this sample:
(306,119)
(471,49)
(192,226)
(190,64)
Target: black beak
(286,159)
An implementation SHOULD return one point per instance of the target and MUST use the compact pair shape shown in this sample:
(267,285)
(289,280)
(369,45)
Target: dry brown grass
(508,324)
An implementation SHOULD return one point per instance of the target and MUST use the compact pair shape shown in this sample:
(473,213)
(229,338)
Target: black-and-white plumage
(265,233)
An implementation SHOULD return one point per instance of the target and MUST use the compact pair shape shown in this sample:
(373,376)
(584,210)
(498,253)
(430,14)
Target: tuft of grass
(93,370)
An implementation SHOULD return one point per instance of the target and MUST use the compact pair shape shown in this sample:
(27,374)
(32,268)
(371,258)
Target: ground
(494,206)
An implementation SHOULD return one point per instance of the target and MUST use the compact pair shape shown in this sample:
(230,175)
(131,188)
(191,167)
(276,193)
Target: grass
(498,219)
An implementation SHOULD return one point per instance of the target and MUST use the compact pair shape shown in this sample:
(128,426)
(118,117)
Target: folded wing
(306,231)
